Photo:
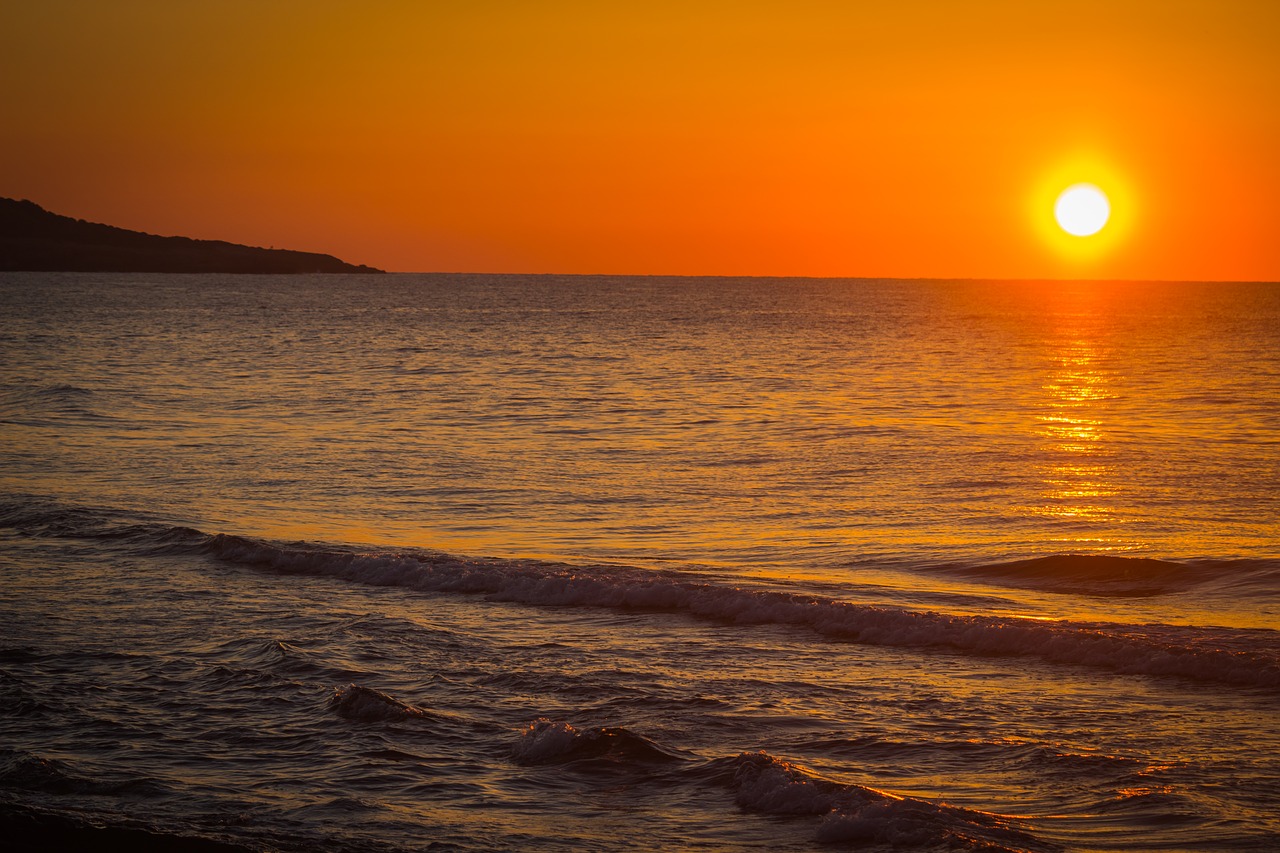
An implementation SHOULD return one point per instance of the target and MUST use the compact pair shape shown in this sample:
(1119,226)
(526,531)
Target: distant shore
(36,240)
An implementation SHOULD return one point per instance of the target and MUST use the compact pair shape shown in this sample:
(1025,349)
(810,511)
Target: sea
(555,563)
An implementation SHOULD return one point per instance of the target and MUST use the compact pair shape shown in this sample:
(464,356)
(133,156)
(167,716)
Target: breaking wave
(1243,657)
(1248,658)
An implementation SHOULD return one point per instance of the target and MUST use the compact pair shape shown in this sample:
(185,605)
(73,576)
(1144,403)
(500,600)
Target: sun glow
(1051,203)
(1082,210)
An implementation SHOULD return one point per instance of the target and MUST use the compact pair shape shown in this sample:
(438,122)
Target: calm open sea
(463,562)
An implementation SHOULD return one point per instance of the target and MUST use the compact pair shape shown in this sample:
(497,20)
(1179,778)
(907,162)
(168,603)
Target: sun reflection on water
(1076,474)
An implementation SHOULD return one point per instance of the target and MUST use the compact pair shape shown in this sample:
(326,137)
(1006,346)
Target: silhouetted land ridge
(33,239)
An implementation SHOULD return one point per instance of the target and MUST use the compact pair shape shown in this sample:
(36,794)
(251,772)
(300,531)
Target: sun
(1082,210)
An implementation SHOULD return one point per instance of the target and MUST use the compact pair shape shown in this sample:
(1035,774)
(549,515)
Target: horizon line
(958,279)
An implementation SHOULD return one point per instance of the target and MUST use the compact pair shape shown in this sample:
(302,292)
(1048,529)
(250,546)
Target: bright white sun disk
(1082,210)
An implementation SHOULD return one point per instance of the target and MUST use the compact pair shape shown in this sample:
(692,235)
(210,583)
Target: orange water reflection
(1077,474)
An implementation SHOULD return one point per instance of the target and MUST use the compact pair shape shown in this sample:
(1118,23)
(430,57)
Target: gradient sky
(739,138)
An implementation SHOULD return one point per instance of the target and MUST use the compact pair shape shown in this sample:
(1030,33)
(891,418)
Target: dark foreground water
(528,563)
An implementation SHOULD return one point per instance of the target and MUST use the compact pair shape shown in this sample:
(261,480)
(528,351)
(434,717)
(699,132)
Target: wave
(771,785)
(49,394)
(555,742)
(18,700)
(258,657)
(764,783)
(1243,657)
(368,705)
(1107,575)
(39,405)
(35,516)
(26,771)
(858,814)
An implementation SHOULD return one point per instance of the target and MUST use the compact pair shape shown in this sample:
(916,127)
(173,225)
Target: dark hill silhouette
(32,238)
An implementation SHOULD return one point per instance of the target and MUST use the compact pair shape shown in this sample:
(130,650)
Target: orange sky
(741,138)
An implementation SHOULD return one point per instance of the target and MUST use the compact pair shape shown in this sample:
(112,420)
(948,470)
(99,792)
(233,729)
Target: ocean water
(462,563)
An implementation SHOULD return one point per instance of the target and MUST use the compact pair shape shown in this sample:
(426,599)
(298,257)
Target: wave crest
(855,813)
(365,704)
(546,741)
(1245,658)
(1100,575)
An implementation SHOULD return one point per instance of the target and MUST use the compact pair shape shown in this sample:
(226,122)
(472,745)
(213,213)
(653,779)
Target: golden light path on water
(1077,476)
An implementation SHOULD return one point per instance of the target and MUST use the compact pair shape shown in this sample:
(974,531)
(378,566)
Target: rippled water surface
(550,563)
